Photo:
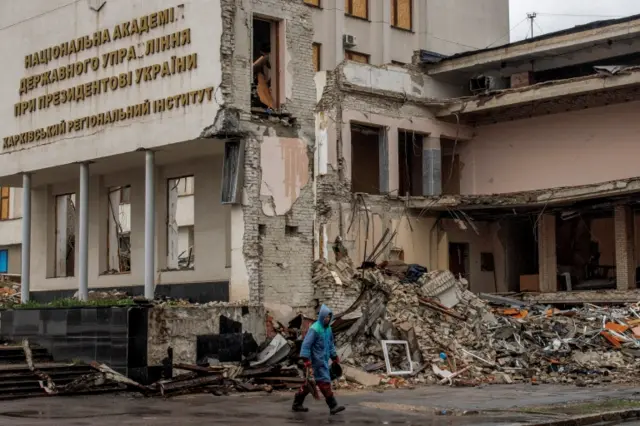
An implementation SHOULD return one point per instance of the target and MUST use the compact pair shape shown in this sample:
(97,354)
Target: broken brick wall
(179,328)
(278,199)
(344,102)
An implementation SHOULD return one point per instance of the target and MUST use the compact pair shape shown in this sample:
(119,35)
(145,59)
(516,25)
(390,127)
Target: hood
(324,312)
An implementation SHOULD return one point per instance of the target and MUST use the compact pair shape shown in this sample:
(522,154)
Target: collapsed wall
(276,205)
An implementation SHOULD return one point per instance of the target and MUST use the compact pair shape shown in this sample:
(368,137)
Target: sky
(554,15)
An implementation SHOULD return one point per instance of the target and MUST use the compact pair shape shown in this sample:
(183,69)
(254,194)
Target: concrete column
(83,234)
(385,31)
(338,32)
(431,166)
(548,264)
(149,226)
(393,162)
(625,248)
(26,237)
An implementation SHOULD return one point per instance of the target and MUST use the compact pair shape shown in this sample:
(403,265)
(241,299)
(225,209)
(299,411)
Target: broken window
(357,8)
(401,13)
(266,76)
(180,223)
(350,55)
(65,230)
(367,143)
(459,259)
(410,167)
(316,57)
(313,2)
(232,171)
(5,192)
(119,230)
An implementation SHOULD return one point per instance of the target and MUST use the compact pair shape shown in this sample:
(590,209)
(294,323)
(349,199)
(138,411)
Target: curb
(591,419)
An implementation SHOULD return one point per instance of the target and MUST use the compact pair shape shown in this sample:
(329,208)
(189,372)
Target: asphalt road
(494,405)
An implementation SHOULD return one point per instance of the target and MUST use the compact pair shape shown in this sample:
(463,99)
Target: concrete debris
(456,337)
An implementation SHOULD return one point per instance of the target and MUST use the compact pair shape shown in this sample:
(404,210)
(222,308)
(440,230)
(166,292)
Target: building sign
(89,73)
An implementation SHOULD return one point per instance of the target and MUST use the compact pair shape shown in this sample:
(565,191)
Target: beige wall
(485,241)
(212,238)
(443,26)
(42,24)
(14,254)
(576,148)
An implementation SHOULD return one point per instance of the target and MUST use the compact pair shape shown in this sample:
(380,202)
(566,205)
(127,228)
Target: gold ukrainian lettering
(131,54)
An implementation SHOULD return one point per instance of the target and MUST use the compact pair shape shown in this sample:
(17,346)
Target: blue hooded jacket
(318,346)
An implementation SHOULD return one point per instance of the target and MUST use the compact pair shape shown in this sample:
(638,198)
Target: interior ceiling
(165,155)
(601,207)
(551,106)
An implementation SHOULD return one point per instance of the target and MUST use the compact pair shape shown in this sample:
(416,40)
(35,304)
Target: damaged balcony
(607,87)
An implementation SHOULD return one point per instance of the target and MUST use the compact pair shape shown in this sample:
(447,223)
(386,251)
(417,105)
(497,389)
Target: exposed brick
(279,265)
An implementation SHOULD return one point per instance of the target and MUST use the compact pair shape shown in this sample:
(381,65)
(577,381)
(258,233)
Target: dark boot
(334,408)
(298,400)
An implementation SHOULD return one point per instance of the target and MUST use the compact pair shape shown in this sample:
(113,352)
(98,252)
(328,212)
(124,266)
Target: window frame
(5,215)
(313,50)
(352,52)
(394,23)
(6,255)
(308,3)
(349,10)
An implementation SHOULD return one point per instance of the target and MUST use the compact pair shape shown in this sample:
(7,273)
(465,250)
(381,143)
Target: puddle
(36,414)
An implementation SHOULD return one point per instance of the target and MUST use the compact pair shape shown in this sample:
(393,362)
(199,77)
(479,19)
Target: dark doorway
(410,167)
(365,159)
(459,260)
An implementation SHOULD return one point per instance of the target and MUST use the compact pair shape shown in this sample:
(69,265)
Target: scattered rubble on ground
(9,289)
(456,337)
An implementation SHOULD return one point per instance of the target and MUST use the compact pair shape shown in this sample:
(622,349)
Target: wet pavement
(492,405)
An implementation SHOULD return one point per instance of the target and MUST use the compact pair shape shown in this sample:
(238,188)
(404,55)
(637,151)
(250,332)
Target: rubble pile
(453,335)
(9,289)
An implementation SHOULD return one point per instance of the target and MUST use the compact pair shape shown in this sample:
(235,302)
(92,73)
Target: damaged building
(511,166)
(162,148)
(169,149)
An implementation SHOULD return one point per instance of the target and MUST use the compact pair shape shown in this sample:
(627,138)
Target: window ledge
(314,5)
(410,30)
(356,17)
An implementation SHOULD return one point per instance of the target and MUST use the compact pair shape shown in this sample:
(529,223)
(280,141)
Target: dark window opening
(262,230)
(459,260)
(264,93)
(410,158)
(365,159)
(487,263)
(290,230)
(582,70)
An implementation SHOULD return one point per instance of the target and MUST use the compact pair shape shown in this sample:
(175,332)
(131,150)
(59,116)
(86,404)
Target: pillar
(83,233)
(548,264)
(149,226)
(625,248)
(431,166)
(26,238)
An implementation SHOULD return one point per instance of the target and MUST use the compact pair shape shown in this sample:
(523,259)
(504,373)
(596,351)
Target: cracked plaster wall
(277,247)
(417,238)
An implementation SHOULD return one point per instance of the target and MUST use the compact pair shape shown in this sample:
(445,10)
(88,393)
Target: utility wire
(507,34)
(579,16)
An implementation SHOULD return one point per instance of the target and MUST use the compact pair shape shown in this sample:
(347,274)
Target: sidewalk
(491,405)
